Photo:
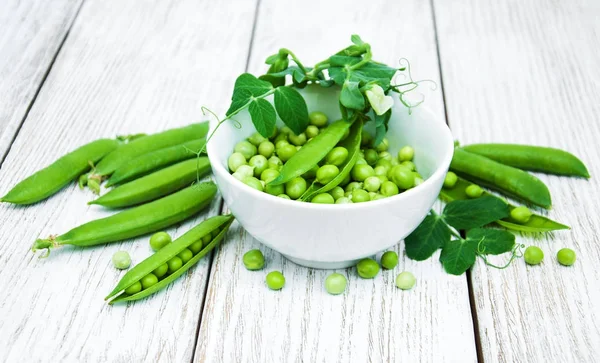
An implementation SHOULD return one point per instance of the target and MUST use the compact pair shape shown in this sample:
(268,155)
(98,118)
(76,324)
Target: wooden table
(72,71)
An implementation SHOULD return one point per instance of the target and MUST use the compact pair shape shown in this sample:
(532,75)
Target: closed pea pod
(155,185)
(534,158)
(155,160)
(137,221)
(57,175)
(312,153)
(506,179)
(166,254)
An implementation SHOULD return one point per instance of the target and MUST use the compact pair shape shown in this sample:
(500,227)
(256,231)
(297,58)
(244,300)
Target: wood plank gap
(39,88)
(439,57)
(252,35)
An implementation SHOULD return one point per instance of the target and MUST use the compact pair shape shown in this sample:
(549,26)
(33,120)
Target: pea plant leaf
(381,126)
(467,214)
(492,241)
(351,97)
(247,86)
(374,72)
(431,235)
(263,116)
(458,255)
(242,98)
(355,38)
(291,108)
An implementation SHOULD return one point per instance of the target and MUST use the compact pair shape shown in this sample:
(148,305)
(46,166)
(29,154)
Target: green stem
(365,60)
(295,59)
(44,244)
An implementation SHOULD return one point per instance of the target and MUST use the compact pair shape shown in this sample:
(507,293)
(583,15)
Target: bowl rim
(445,163)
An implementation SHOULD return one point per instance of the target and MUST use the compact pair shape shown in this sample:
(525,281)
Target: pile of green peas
(377,173)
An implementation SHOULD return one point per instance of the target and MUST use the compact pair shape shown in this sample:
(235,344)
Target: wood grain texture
(372,321)
(128,66)
(526,72)
(31,33)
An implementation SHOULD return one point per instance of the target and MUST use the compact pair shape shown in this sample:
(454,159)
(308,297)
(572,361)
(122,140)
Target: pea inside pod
(215,227)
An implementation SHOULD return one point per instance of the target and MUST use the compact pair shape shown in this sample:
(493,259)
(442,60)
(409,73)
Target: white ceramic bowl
(338,235)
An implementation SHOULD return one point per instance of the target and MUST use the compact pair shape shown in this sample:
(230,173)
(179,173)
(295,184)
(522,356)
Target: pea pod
(352,144)
(154,160)
(506,179)
(155,185)
(57,175)
(536,223)
(311,153)
(534,158)
(136,221)
(147,144)
(218,224)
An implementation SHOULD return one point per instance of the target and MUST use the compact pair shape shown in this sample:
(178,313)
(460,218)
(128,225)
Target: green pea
(235,161)
(283,196)
(256,138)
(159,240)
(380,170)
(388,189)
(245,148)
(297,140)
(450,180)
(121,260)
(252,182)
(389,260)
(533,255)
(161,270)
(402,177)
(206,239)
(473,191)
(521,214)
(367,268)
(566,257)
(409,164)
(372,184)
(174,264)
(360,195)
(394,162)
(323,198)
(311,131)
(361,172)
(371,156)
(383,145)
(134,289)
(281,138)
(352,186)
(366,139)
(372,195)
(405,280)
(149,280)
(317,118)
(286,130)
(345,135)
(337,192)
(185,255)
(269,174)
(406,154)
(254,260)
(418,180)
(286,152)
(326,173)
(382,178)
(384,155)
(379,196)
(337,156)
(335,283)
(281,143)
(295,187)
(266,148)
(275,163)
(275,280)
(275,133)
(312,173)
(259,163)
(243,171)
(196,247)
(343,200)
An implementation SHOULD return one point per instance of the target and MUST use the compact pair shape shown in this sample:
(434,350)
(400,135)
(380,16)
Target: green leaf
(351,97)
(326,83)
(381,126)
(298,76)
(492,241)
(355,38)
(272,59)
(467,214)
(458,256)
(247,82)
(288,71)
(291,108)
(263,116)
(374,72)
(342,61)
(242,98)
(431,235)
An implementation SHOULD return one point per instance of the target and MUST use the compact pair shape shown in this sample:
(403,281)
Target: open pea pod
(536,223)
(352,144)
(208,227)
(311,153)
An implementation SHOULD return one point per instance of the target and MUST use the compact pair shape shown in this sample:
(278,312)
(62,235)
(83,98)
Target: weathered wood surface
(526,72)
(373,320)
(31,34)
(127,66)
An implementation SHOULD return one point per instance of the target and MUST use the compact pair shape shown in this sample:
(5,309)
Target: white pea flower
(378,100)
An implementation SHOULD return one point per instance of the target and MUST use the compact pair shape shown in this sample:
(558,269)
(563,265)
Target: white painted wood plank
(127,66)
(244,321)
(526,72)
(31,33)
